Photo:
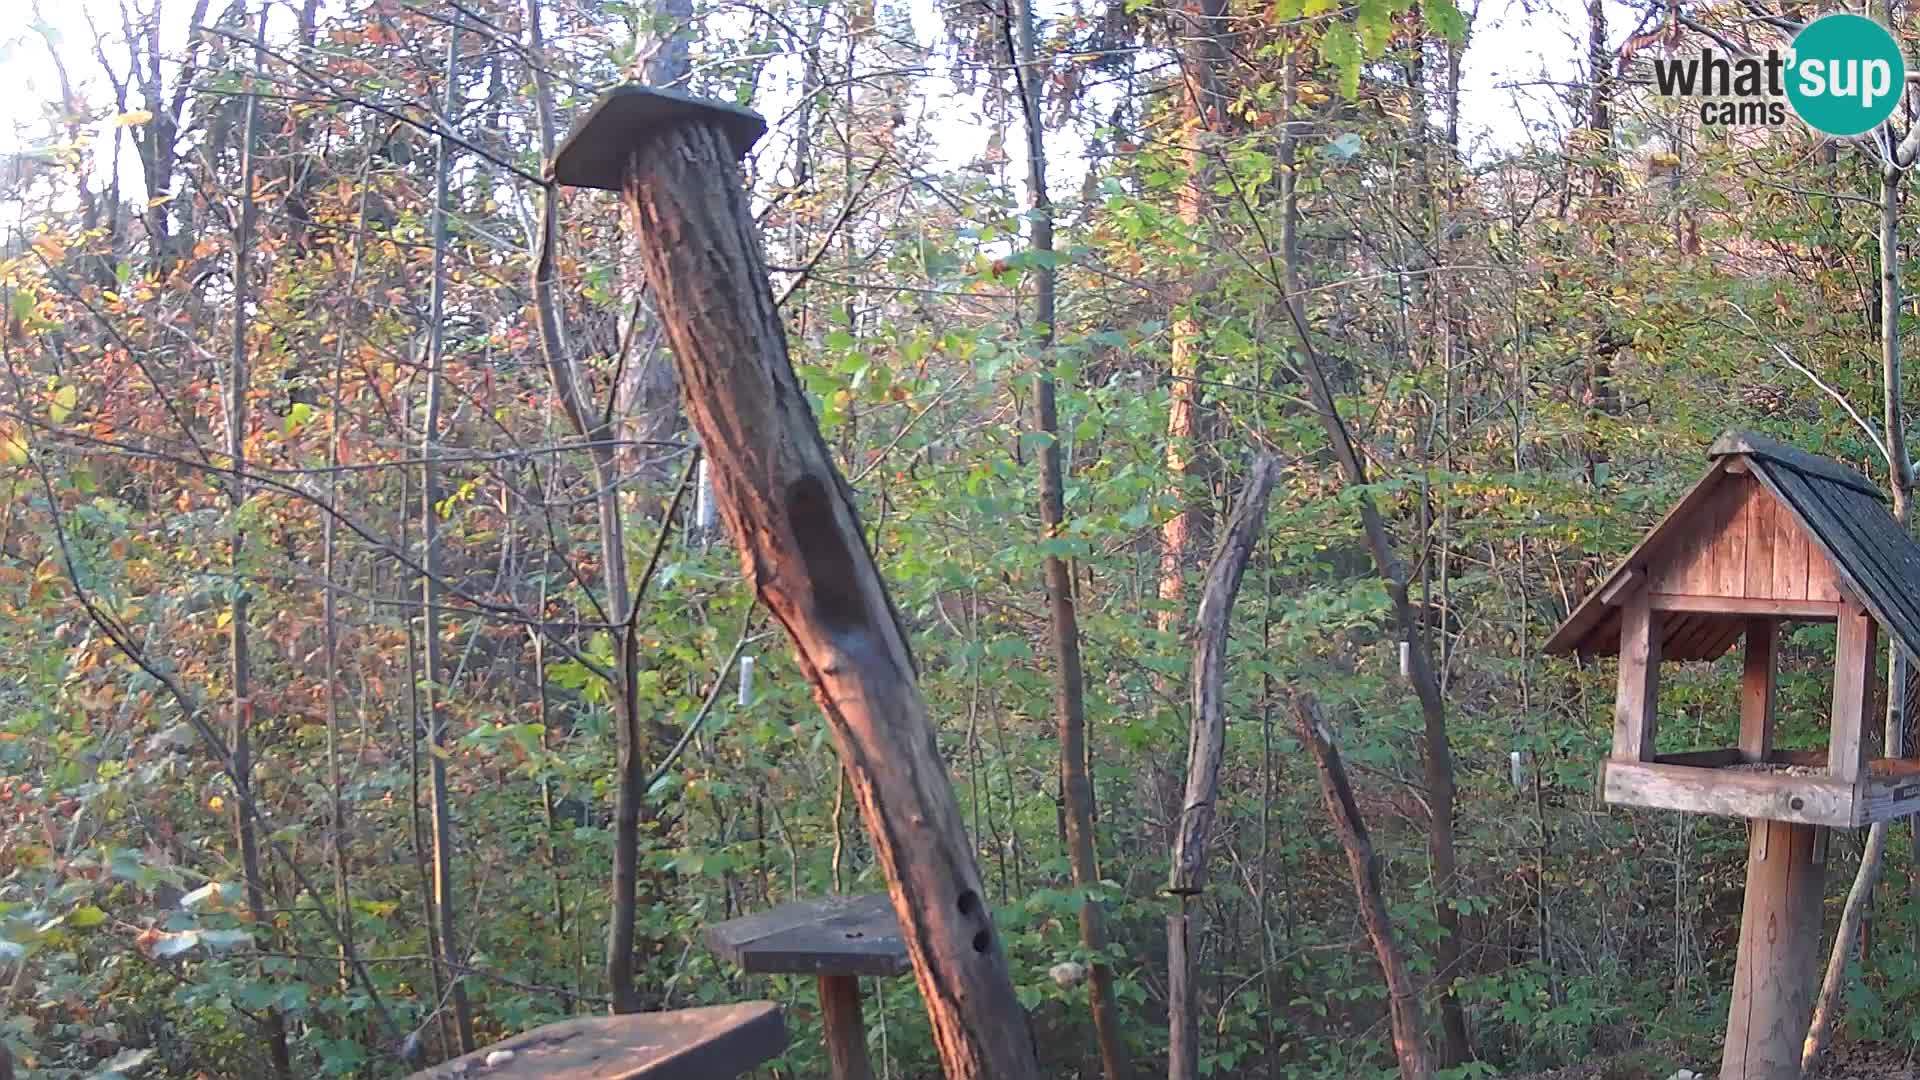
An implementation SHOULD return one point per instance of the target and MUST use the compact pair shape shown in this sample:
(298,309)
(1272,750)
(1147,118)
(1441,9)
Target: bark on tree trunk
(1833,984)
(1403,998)
(1069,694)
(1200,59)
(238,391)
(1436,753)
(1206,744)
(446,903)
(793,520)
(632,734)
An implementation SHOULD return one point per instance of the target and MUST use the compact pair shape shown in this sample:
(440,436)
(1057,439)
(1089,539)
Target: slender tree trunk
(1069,696)
(238,386)
(1833,985)
(1200,110)
(634,733)
(1436,753)
(1206,746)
(330,606)
(445,898)
(1403,999)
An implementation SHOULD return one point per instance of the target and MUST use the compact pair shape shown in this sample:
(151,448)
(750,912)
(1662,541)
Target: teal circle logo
(1846,74)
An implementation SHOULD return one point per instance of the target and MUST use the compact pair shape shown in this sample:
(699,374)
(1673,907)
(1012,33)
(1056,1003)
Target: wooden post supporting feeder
(793,520)
(836,940)
(1770,535)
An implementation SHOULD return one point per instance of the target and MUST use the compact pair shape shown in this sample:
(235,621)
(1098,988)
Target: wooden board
(1811,800)
(710,1043)
(842,935)
(1757,690)
(1637,697)
(1852,695)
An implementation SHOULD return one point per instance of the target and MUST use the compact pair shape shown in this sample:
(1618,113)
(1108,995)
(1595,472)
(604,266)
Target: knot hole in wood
(832,568)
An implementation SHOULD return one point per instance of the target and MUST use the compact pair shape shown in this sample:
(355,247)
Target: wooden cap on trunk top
(595,154)
(838,935)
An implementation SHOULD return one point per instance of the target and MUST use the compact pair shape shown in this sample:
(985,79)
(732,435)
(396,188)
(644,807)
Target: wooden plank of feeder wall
(1852,693)
(1730,551)
(1764,528)
(1639,692)
(1756,690)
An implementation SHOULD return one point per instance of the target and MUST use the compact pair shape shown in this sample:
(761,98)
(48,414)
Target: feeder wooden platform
(1799,789)
(711,1043)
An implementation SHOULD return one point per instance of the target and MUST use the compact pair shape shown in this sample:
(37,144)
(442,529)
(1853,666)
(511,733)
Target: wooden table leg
(846,1032)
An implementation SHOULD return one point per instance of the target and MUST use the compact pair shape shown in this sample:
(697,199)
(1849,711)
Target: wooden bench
(836,940)
(684,1044)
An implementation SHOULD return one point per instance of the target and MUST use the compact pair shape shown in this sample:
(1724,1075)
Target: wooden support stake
(846,1031)
(1852,694)
(1638,697)
(1757,690)
(1183,1022)
(793,521)
(1778,967)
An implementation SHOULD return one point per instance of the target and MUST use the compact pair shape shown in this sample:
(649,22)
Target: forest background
(354,690)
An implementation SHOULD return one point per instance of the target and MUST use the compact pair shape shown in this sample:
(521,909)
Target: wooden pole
(793,520)
(1778,966)
(845,1030)
(1183,1018)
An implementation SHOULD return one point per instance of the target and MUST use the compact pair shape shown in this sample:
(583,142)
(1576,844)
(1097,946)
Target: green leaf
(297,417)
(1340,48)
(64,399)
(1445,19)
(85,916)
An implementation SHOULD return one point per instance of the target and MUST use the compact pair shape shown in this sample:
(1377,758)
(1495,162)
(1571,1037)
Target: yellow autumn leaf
(133,119)
(216,803)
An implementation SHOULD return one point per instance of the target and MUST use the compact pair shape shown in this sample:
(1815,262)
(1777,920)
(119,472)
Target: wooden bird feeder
(836,940)
(1770,535)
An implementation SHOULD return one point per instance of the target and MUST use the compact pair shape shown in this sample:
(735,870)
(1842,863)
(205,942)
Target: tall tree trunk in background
(1603,191)
(634,734)
(1069,698)
(157,142)
(239,386)
(646,396)
(1206,747)
(1436,753)
(445,901)
(1201,112)
(1900,483)
(1403,998)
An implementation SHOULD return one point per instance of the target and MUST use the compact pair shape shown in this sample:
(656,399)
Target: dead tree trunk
(794,523)
(1206,744)
(1409,1044)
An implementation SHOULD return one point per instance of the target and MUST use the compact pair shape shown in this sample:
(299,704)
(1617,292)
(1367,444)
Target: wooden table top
(841,935)
(683,1044)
